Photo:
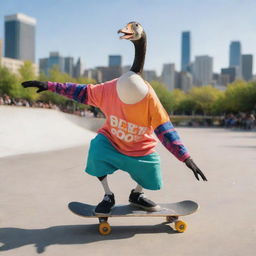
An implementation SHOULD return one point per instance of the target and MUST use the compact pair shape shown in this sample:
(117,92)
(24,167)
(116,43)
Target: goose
(126,138)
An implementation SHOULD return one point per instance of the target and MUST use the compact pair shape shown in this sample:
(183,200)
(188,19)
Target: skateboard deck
(172,211)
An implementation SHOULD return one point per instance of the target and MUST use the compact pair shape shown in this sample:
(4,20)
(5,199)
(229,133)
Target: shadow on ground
(12,238)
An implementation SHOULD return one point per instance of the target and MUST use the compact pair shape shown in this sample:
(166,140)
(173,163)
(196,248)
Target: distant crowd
(245,121)
(7,100)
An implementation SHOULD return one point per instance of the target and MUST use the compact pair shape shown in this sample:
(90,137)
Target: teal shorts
(104,159)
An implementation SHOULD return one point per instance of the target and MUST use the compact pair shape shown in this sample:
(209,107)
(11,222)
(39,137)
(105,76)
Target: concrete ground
(35,190)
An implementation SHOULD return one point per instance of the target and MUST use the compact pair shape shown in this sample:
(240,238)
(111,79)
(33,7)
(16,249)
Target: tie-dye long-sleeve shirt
(129,127)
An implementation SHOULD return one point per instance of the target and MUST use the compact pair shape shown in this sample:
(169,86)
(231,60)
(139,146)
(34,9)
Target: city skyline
(20,45)
(211,37)
(18,28)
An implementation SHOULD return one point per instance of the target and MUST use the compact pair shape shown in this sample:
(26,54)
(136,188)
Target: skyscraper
(247,62)
(185,51)
(69,65)
(114,60)
(20,37)
(235,54)
(78,69)
(203,70)
(168,75)
(55,60)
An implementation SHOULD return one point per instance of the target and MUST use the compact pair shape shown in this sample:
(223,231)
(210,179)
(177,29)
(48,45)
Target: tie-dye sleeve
(91,94)
(165,130)
(76,92)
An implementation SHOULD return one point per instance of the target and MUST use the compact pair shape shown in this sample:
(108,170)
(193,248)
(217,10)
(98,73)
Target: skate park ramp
(32,130)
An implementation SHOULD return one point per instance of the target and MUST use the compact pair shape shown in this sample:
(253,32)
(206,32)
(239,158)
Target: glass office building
(235,54)
(20,32)
(114,60)
(185,51)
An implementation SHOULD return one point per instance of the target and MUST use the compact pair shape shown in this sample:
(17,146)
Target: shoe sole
(102,214)
(156,208)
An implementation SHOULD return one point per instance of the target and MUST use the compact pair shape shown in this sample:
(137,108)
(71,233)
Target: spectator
(249,122)
(230,121)
(7,100)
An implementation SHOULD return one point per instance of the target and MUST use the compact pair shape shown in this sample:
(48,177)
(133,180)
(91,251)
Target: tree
(205,97)
(164,95)
(187,106)
(178,96)
(8,82)
(85,80)
(27,72)
(218,107)
(240,96)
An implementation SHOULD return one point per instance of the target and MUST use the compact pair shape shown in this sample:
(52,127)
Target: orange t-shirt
(129,127)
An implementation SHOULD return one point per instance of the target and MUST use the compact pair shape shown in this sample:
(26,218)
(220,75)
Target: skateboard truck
(104,227)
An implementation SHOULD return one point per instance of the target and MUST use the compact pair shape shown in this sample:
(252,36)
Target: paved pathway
(36,188)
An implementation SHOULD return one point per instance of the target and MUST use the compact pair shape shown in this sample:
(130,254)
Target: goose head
(133,31)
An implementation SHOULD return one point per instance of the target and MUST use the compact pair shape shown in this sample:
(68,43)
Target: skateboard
(171,212)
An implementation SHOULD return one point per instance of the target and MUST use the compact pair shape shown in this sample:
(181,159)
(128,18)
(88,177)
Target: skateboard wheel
(171,219)
(180,226)
(104,228)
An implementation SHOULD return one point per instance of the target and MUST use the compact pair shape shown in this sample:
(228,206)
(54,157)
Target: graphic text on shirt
(126,131)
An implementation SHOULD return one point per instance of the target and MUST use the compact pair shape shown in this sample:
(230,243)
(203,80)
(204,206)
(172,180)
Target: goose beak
(127,31)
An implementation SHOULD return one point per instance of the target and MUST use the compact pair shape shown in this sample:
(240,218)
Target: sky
(88,28)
